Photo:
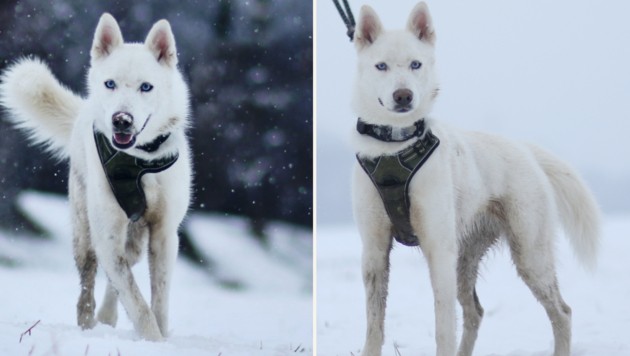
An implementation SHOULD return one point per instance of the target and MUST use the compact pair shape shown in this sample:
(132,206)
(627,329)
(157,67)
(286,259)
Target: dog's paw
(108,317)
(86,321)
(148,327)
(371,350)
(152,334)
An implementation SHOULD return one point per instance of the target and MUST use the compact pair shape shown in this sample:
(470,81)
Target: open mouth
(124,133)
(123,139)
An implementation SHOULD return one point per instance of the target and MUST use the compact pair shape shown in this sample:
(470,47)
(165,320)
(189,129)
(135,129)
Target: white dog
(469,191)
(130,168)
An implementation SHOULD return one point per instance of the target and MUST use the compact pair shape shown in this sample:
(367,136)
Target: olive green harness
(391,174)
(124,173)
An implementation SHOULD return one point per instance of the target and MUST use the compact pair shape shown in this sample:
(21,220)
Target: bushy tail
(38,103)
(579,211)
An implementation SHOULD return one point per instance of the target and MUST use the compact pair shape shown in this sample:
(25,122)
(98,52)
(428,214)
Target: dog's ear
(161,42)
(420,23)
(368,28)
(106,38)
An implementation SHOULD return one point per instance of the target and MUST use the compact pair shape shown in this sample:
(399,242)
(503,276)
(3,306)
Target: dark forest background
(249,67)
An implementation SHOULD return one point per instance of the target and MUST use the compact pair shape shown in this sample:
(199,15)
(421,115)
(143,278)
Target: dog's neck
(387,133)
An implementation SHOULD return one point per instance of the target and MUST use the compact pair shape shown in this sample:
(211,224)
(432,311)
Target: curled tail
(37,103)
(579,212)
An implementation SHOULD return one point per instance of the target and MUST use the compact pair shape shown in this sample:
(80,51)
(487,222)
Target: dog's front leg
(375,230)
(439,245)
(84,256)
(85,260)
(109,245)
(377,244)
(375,267)
(163,244)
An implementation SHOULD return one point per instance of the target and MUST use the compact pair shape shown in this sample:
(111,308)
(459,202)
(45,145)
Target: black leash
(347,17)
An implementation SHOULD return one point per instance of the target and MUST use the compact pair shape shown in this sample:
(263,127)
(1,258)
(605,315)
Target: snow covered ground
(514,323)
(40,283)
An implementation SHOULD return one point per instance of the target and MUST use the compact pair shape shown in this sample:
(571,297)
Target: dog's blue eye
(110,84)
(381,66)
(146,87)
(415,65)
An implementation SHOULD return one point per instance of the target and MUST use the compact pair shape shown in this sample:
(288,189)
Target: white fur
(64,121)
(475,189)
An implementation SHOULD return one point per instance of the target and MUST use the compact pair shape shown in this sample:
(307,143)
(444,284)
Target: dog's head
(135,89)
(395,78)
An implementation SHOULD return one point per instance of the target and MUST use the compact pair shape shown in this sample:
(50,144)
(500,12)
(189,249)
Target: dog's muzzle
(123,130)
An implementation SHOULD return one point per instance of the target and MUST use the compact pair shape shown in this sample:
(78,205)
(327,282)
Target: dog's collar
(389,133)
(124,172)
(155,144)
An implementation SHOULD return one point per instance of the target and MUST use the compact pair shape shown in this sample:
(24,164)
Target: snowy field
(271,314)
(514,322)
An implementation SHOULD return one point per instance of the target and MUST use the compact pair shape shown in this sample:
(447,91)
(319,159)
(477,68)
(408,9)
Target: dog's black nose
(122,121)
(403,97)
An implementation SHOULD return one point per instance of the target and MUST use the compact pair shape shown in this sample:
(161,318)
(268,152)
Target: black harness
(391,174)
(124,172)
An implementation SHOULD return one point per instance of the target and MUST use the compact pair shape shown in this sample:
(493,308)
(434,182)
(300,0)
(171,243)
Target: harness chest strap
(391,176)
(124,173)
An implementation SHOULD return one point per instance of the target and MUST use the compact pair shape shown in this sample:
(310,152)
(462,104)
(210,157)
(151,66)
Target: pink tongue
(122,139)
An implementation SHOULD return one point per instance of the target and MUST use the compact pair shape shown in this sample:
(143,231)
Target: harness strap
(391,176)
(124,173)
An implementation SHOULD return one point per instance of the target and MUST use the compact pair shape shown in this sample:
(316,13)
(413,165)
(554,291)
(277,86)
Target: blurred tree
(249,66)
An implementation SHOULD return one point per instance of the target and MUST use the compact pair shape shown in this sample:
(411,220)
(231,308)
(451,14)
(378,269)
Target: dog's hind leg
(84,256)
(471,250)
(533,255)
